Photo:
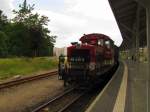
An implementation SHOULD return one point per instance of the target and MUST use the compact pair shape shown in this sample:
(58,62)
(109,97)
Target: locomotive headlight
(92,66)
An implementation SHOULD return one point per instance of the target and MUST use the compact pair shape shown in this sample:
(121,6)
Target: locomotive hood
(80,50)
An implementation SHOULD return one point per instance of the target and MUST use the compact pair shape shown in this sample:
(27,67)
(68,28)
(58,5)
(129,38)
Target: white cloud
(77,17)
(82,16)
(90,8)
(64,26)
(6,6)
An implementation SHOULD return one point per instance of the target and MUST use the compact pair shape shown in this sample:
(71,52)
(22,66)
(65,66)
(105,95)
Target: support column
(148,49)
(137,46)
(137,32)
(133,49)
(148,33)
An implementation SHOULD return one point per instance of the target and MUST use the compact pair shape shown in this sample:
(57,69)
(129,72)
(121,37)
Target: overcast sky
(70,19)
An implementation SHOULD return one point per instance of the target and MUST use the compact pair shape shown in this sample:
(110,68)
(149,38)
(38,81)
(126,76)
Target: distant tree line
(26,34)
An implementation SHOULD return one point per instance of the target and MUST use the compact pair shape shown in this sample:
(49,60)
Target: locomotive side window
(107,43)
(101,42)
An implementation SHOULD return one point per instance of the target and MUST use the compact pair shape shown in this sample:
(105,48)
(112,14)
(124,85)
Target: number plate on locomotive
(77,59)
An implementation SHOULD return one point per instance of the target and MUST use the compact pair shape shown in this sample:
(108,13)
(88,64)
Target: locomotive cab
(108,54)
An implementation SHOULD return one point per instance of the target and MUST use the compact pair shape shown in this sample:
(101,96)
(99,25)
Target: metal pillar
(137,32)
(146,4)
(137,46)
(148,32)
(133,50)
(148,46)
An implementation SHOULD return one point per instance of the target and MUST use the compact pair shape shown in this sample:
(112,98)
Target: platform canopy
(131,19)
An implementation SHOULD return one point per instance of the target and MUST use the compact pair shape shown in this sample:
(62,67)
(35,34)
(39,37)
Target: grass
(25,66)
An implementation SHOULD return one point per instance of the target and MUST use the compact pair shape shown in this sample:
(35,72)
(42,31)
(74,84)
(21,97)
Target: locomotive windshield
(107,43)
(80,55)
(101,42)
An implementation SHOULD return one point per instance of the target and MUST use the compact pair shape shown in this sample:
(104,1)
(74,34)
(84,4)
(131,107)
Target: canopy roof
(131,20)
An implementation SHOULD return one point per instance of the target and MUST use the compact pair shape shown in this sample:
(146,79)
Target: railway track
(61,102)
(27,79)
(74,100)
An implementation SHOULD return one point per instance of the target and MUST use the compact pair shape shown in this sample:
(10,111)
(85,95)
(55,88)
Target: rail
(52,102)
(27,79)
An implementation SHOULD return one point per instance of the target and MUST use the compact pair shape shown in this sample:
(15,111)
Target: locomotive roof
(94,36)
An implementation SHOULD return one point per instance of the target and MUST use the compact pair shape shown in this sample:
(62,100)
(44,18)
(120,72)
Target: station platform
(127,91)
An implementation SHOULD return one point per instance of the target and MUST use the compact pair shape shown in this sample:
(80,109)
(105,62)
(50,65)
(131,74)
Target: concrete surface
(136,100)
(107,98)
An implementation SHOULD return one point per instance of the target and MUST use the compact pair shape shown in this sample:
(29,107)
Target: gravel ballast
(23,97)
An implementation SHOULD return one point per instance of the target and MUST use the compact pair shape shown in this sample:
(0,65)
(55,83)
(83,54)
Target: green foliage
(3,36)
(19,40)
(26,66)
(3,44)
(3,20)
(27,34)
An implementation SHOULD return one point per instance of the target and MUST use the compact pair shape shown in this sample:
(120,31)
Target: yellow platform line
(121,97)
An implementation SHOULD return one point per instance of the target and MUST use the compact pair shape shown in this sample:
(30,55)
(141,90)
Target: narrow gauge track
(61,102)
(27,79)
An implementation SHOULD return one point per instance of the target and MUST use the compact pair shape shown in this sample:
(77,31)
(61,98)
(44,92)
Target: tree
(3,20)
(40,40)
(3,36)
(26,34)
(3,44)
(19,40)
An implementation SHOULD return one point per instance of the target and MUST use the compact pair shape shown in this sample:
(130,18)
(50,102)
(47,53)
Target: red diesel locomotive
(89,60)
